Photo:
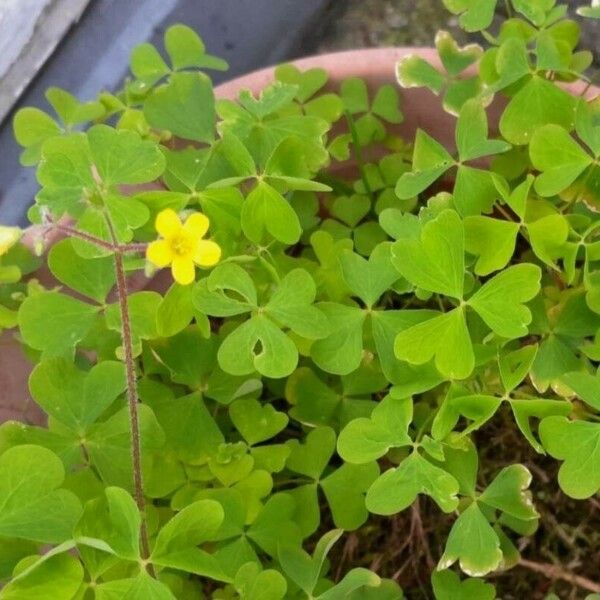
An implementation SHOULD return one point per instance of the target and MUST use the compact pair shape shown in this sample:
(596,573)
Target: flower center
(182,245)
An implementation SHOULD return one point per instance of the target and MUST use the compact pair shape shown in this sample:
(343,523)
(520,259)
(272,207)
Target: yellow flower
(182,245)
(9,236)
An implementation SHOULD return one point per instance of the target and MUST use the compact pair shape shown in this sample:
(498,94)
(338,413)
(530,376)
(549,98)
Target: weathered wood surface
(30,30)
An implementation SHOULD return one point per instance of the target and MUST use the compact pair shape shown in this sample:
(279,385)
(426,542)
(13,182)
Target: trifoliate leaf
(364,440)
(311,457)
(385,590)
(386,104)
(351,210)
(473,543)
(448,586)
(227,291)
(534,10)
(525,410)
(539,102)
(559,157)
(275,523)
(32,127)
(254,584)
(65,172)
(142,587)
(308,82)
(256,422)
(265,210)
(508,493)
(474,191)
(435,260)
(414,71)
(474,15)
(517,199)
(515,366)
(122,157)
(93,278)
(265,347)
(355,95)
(142,315)
(291,305)
(289,164)
(385,326)
(175,311)
(354,583)
(492,241)
(109,444)
(184,106)
(548,236)
(430,161)
(71,321)
(186,50)
(478,408)
(455,58)
(345,490)
(369,279)
(58,577)
(189,428)
(341,351)
(577,443)
(472,133)
(397,489)
(302,568)
(177,542)
(444,337)
(587,127)
(500,301)
(33,505)
(74,397)
(147,64)
(114,519)
(586,386)
(70,110)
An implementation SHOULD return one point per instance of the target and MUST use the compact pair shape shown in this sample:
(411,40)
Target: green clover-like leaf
(434,260)
(364,440)
(500,302)
(577,443)
(397,489)
(448,586)
(473,543)
(256,422)
(34,506)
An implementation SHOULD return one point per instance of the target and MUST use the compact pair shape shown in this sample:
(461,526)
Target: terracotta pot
(376,66)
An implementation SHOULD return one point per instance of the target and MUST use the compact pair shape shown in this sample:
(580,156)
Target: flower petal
(183,270)
(159,253)
(208,253)
(197,225)
(167,222)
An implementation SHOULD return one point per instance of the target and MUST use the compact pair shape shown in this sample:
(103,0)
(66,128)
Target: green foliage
(203,440)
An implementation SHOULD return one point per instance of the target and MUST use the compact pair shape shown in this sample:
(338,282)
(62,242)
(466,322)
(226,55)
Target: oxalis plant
(327,395)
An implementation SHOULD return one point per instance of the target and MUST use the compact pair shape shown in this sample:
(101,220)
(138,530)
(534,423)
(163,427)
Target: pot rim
(369,63)
(341,64)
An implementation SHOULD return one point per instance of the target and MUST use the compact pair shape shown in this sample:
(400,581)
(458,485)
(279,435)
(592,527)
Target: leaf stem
(96,241)
(556,572)
(357,151)
(132,394)
(132,400)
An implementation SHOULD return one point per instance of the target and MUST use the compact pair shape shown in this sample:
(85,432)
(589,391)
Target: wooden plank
(30,30)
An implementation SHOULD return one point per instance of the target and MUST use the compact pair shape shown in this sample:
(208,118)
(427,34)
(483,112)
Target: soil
(376,23)
(562,557)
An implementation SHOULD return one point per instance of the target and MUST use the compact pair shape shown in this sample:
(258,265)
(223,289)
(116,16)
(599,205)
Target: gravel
(373,23)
